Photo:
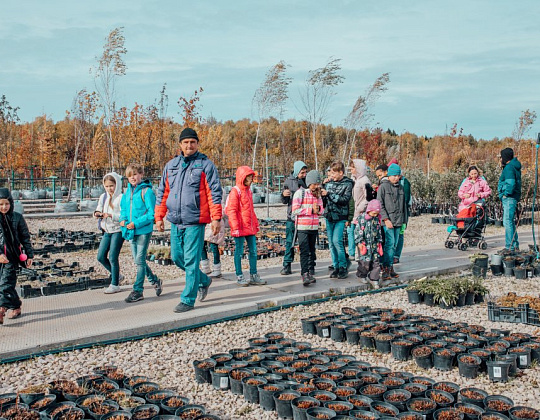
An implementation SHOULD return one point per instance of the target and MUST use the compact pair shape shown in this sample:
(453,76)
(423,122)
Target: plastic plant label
(461,340)
(325,332)
(523,360)
(224,382)
(424,417)
(497,372)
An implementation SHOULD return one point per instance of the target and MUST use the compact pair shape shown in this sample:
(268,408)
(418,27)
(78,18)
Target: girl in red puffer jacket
(244,225)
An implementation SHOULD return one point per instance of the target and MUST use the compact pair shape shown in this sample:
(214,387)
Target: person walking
(306,208)
(360,194)
(408,201)
(336,196)
(108,215)
(17,251)
(368,237)
(190,195)
(136,220)
(244,226)
(509,189)
(394,215)
(294,182)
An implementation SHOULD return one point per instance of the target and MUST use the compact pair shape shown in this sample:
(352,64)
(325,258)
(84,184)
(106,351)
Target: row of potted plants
(301,381)
(430,342)
(447,292)
(106,394)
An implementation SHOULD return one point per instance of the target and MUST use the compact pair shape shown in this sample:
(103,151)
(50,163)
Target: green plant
(477,256)
(446,293)
(478,287)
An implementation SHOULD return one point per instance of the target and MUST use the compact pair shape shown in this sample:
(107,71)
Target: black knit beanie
(507,155)
(5,193)
(188,133)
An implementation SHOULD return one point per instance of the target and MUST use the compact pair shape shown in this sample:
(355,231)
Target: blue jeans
(399,247)
(239,252)
(186,250)
(139,248)
(390,245)
(334,231)
(214,249)
(510,232)
(108,252)
(350,240)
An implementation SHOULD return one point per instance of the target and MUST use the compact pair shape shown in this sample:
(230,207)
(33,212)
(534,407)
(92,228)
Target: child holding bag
(368,238)
(16,249)
(244,225)
(108,215)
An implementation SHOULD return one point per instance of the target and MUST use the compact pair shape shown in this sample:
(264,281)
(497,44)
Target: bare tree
(318,92)
(109,68)
(523,124)
(163,106)
(360,117)
(270,97)
(8,121)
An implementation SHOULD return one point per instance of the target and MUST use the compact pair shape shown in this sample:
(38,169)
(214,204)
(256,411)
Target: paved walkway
(82,318)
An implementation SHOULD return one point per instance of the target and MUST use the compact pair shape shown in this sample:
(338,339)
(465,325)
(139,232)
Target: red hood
(241,174)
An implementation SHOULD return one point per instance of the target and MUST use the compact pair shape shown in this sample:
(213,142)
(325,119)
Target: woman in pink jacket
(473,189)
(244,225)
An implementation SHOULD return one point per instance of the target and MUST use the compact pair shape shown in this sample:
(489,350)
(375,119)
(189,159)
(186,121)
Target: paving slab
(63,322)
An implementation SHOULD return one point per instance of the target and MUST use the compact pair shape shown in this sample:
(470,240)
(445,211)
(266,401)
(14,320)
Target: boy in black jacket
(337,193)
(13,234)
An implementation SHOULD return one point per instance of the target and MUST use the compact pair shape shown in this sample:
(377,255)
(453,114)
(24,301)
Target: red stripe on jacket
(160,210)
(208,209)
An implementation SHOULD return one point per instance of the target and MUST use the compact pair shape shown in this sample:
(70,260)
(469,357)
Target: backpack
(370,193)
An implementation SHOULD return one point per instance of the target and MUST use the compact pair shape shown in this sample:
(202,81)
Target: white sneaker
(242,281)
(112,289)
(216,270)
(205,266)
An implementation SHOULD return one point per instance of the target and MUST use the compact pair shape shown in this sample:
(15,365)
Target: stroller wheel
(449,244)
(463,246)
(482,245)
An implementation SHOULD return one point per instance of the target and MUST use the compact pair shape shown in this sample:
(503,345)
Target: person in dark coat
(293,183)
(509,190)
(15,249)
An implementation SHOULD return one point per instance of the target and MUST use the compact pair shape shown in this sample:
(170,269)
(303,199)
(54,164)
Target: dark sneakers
(307,279)
(393,274)
(286,270)
(134,297)
(343,273)
(334,274)
(203,291)
(182,307)
(158,286)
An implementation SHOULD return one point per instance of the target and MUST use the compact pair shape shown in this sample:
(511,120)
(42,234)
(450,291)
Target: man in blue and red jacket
(189,194)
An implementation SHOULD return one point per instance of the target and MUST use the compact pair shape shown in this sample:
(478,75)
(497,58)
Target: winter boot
(343,273)
(286,270)
(216,270)
(205,267)
(385,274)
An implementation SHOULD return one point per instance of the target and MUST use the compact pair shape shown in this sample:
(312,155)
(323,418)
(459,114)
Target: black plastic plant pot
(323,396)
(360,402)
(109,406)
(392,382)
(304,389)
(375,392)
(498,371)
(11,409)
(401,349)
(469,365)
(30,397)
(266,396)
(410,415)
(496,270)
(283,402)
(366,341)
(493,415)
(43,403)
(450,387)
(190,411)
(473,396)
(169,405)
(428,299)
(340,407)
(129,383)
(117,415)
(523,413)
(337,332)
(323,329)
(255,342)
(316,413)
(423,356)
(535,350)
(508,272)
(382,343)
(155,397)
(250,388)
(461,301)
(351,383)
(221,358)
(443,359)
(469,298)
(422,406)
(448,413)
(55,408)
(344,392)
(235,379)
(167,417)
(414,296)
(498,403)
(74,413)
(140,390)
(398,398)
(423,380)
(220,378)
(353,334)
(442,398)
(512,359)
(274,336)
(523,356)
(384,409)
(364,414)
(416,390)
(471,411)
(301,404)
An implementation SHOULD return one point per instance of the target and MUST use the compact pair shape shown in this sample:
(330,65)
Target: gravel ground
(420,232)
(168,360)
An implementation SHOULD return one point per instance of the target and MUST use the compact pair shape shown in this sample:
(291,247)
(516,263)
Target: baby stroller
(468,229)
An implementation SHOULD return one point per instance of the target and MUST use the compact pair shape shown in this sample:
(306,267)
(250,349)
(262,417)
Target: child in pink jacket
(473,189)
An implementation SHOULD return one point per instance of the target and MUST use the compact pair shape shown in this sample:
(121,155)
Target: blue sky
(474,63)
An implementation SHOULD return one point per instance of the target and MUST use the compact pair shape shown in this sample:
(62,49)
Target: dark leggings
(214,249)
(9,298)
